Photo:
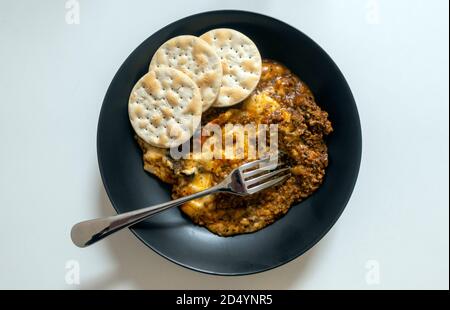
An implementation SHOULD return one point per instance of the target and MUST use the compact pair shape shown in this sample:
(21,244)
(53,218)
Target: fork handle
(89,232)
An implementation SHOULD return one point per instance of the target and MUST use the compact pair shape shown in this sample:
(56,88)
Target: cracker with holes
(197,59)
(165,107)
(241,65)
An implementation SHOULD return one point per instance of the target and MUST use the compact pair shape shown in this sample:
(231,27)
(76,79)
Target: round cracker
(165,107)
(241,64)
(197,59)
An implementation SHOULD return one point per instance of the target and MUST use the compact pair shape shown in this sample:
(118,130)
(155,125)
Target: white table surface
(54,75)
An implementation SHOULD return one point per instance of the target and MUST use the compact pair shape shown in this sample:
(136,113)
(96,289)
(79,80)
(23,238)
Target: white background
(53,77)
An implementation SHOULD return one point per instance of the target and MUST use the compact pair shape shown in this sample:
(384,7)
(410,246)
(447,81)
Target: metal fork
(247,179)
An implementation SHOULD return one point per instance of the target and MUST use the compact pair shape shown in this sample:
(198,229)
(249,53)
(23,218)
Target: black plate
(174,236)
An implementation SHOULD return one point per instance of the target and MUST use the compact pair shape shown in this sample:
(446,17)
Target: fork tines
(263,173)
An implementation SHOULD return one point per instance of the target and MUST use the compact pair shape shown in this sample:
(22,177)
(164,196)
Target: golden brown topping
(172,98)
(151,84)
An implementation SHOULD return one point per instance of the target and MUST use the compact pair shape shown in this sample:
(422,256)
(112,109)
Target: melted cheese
(260,104)
(200,182)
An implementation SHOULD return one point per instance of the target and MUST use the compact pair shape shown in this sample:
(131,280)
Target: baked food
(241,64)
(195,58)
(165,107)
